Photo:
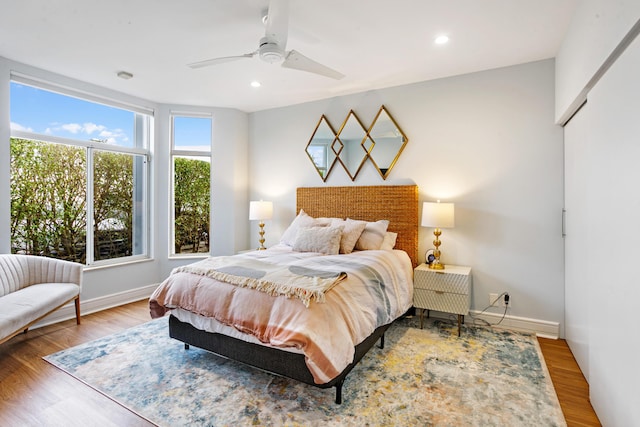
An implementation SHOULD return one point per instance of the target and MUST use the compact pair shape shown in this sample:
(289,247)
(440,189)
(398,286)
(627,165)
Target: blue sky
(192,133)
(49,113)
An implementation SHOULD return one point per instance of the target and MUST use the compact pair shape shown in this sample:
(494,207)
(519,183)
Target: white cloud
(113,136)
(72,127)
(18,126)
(95,131)
(89,128)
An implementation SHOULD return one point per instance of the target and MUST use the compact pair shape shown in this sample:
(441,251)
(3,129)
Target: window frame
(186,153)
(142,130)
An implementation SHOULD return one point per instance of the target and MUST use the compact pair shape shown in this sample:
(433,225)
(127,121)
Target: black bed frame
(273,360)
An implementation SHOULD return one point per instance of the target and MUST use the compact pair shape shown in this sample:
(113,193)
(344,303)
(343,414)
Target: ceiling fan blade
(221,60)
(298,61)
(277,25)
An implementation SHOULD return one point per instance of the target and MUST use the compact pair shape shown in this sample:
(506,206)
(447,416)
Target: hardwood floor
(571,387)
(34,393)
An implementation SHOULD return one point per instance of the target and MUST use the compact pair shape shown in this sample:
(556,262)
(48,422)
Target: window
(191,164)
(78,176)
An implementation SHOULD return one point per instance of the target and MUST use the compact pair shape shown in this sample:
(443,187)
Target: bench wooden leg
(77,301)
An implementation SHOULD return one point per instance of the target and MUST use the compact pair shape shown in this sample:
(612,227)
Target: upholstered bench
(31,287)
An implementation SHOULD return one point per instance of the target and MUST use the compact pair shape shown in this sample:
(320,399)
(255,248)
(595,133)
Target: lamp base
(435,265)
(261,240)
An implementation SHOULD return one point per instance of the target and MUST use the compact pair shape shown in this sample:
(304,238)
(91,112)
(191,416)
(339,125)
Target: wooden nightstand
(447,290)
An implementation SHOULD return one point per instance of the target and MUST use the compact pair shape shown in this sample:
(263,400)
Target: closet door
(576,228)
(614,241)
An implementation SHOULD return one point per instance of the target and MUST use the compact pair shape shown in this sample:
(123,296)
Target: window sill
(115,263)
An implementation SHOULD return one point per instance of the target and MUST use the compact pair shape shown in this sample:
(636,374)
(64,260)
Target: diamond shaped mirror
(385,142)
(352,154)
(320,148)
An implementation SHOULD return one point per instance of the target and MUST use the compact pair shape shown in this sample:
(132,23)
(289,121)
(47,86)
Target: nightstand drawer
(441,301)
(449,281)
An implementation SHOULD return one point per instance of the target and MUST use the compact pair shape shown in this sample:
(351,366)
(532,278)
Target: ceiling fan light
(270,51)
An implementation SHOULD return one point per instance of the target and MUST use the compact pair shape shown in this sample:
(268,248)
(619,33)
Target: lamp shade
(260,210)
(438,215)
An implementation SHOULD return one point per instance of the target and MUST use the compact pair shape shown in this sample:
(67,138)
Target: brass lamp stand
(436,265)
(261,233)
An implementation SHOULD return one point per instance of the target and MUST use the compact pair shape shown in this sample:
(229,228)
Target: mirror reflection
(320,148)
(351,136)
(385,143)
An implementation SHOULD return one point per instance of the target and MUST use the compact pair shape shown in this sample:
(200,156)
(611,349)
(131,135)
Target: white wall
(230,181)
(486,141)
(596,29)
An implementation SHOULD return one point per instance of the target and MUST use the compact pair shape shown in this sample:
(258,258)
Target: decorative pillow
(325,222)
(325,240)
(389,241)
(302,220)
(372,235)
(350,234)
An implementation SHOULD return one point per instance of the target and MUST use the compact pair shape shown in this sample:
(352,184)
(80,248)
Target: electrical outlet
(500,302)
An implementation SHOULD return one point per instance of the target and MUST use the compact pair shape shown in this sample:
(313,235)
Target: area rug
(426,377)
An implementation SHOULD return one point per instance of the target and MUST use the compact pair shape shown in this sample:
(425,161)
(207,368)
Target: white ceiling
(375,43)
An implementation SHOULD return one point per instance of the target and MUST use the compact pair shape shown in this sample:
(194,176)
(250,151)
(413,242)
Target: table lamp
(260,211)
(437,215)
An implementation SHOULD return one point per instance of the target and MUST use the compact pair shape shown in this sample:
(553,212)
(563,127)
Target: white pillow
(350,234)
(302,220)
(372,235)
(325,240)
(389,241)
(325,221)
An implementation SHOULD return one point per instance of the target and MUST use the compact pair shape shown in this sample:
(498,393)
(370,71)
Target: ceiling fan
(272,46)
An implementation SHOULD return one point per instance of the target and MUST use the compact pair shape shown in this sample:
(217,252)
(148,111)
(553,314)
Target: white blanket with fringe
(290,280)
(378,288)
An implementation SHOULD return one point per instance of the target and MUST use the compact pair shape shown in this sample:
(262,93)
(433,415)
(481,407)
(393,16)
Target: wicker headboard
(397,203)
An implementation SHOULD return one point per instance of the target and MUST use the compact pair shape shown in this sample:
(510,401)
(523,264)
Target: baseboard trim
(97,304)
(541,328)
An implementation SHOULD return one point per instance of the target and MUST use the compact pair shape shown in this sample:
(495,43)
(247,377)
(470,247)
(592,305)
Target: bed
(287,353)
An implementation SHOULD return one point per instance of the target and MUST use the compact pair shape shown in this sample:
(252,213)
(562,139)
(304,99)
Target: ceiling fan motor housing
(270,51)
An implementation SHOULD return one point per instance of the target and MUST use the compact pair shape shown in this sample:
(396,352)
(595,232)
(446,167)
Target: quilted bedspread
(377,289)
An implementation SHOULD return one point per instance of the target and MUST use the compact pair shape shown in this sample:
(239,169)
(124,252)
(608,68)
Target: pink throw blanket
(377,290)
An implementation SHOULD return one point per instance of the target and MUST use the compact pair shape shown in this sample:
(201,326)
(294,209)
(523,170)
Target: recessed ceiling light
(255,83)
(442,39)
(125,75)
